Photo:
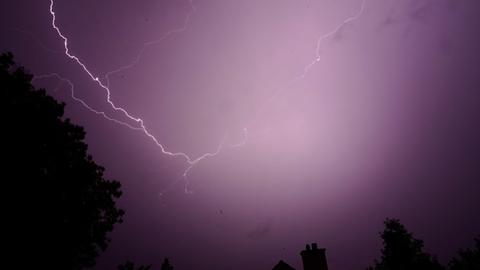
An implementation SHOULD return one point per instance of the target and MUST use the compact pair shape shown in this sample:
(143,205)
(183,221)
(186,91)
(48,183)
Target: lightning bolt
(326,36)
(34,38)
(148,44)
(317,57)
(140,125)
(72,95)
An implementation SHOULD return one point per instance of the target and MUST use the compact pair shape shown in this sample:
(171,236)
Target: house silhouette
(313,258)
(281,265)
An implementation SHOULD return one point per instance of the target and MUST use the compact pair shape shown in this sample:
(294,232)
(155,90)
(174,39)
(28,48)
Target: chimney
(314,258)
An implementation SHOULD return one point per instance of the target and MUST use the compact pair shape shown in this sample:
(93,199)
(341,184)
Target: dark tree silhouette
(166,265)
(131,266)
(59,206)
(468,259)
(403,252)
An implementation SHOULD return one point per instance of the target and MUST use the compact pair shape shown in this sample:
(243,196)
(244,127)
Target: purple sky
(386,124)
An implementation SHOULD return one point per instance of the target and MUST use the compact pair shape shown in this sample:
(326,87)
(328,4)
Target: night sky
(385,124)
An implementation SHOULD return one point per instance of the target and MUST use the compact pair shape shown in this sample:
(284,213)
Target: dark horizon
(384,124)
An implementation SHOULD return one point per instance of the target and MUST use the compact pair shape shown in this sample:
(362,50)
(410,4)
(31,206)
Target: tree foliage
(403,252)
(468,259)
(60,205)
(131,266)
(166,265)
